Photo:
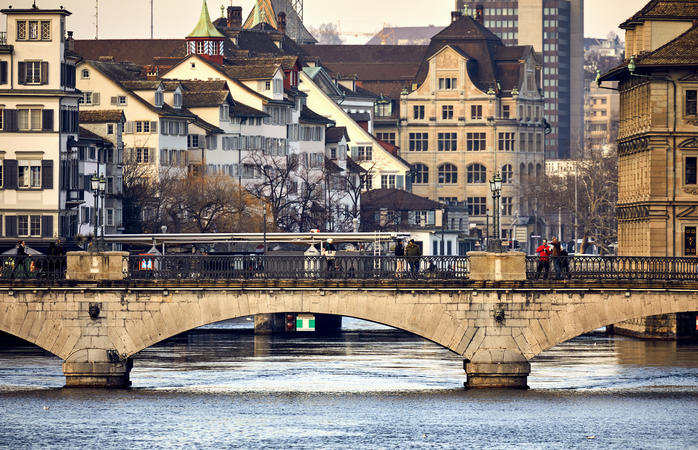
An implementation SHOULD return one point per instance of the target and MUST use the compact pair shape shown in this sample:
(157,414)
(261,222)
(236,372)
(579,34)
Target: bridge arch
(427,319)
(604,309)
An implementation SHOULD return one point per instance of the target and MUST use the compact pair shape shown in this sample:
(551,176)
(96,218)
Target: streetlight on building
(496,188)
(94,185)
(102,194)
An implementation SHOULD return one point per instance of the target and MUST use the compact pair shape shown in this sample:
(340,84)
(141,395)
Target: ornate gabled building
(658,143)
(282,16)
(476,110)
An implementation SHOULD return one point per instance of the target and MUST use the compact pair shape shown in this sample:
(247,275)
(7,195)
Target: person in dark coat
(413,252)
(556,253)
(400,257)
(20,260)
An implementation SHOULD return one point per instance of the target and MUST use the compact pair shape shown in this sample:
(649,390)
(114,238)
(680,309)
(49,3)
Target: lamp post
(102,195)
(496,188)
(94,185)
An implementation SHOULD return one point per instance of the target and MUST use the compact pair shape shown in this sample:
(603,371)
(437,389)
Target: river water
(368,387)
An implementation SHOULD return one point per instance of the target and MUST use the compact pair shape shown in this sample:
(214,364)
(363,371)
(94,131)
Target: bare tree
(275,185)
(327,33)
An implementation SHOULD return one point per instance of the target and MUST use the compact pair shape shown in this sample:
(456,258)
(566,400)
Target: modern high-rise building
(555,29)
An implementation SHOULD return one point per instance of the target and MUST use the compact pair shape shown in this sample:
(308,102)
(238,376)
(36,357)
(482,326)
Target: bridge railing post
(509,266)
(96,266)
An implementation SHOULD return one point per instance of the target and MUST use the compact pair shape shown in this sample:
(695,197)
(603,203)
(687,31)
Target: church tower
(205,39)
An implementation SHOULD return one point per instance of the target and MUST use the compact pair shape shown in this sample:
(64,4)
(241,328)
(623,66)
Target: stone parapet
(487,266)
(96,266)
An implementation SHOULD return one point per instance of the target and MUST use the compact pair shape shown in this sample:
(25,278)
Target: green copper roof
(204,28)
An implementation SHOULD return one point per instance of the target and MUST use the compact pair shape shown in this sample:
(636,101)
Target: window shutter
(163,126)
(21,75)
(71,70)
(10,118)
(129,127)
(44,72)
(154,127)
(95,98)
(10,172)
(431,218)
(47,120)
(11,226)
(63,71)
(47,174)
(3,72)
(47,226)
(400,181)
(412,217)
(114,100)
(408,183)
(355,153)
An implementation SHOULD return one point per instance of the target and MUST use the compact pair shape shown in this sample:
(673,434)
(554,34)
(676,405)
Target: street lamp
(94,185)
(102,194)
(496,188)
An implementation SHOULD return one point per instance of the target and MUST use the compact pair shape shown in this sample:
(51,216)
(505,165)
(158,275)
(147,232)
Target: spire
(205,28)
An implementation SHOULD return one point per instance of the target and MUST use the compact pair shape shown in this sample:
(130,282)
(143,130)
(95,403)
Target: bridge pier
(510,375)
(98,374)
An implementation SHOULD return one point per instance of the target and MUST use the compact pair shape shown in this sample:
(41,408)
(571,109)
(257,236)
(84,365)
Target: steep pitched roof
(204,28)
(309,116)
(250,72)
(200,99)
(101,116)
(137,51)
(269,13)
(333,135)
(397,200)
(242,110)
(680,10)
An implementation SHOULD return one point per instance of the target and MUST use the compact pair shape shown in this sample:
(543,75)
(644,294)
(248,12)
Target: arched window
(539,173)
(477,173)
(460,223)
(448,173)
(421,174)
(522,173)
(507,174)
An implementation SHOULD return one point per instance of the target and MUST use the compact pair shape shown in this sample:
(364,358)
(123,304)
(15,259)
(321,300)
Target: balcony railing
(612,268)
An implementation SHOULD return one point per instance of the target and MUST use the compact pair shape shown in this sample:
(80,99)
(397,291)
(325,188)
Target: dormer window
(177,99)
(33,30)
(225,113)
(159,98)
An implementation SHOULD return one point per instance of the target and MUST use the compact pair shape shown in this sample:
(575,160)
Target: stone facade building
(658,141)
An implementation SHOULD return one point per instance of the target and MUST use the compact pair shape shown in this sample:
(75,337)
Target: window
(475,142)
(110,217)
(31,72)
(506,142)
(33,30)
(689,241)
(506,111)
(86,98)
(35,225)
(420,174)
(278,86)
(110,128)
(142,155)
(419,142)
(418,112)
(384,109)
(23,225)
(448,174)
(477,206)
(177,99)
(29,174)
(507,206)
(159,98)
(368,181)
(386,137)
(476,112)
(200,47)
(85,74)
(507,174)
(365,153)
(447,112)
(267,85)
(142,126)
(477,173)
(448,83)
(121,99)
(690,177)
(29,119)
(448,142)
(691,102)
(387,181)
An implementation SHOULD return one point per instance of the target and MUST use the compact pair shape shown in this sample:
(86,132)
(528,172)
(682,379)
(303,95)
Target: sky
(358,20)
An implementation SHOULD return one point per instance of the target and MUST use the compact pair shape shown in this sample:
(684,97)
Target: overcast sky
(357,18)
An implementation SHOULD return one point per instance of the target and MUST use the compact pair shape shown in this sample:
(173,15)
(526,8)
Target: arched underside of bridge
(490,329)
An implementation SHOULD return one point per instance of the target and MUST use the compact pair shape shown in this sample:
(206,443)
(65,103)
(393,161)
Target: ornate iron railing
(213,267)
(612,268)
(32,267)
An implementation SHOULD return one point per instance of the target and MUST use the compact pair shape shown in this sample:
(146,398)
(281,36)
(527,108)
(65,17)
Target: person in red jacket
(544,252)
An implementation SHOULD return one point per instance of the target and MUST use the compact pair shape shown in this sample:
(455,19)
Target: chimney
(455,15)
(70,42)
(480,14)
(234,18)
(281,23)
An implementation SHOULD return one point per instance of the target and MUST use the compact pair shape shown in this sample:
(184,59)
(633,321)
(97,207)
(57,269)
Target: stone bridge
(97,326)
